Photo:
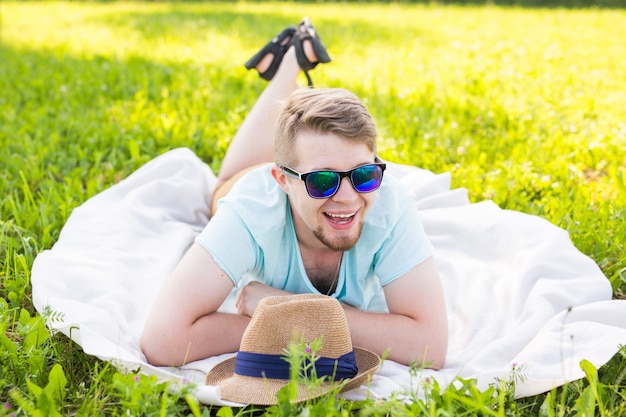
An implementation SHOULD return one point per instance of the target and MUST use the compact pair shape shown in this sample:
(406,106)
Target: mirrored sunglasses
(325,183)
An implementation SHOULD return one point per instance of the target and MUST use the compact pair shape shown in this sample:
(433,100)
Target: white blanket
(518,293)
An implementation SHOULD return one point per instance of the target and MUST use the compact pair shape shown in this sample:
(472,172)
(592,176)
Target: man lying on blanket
(319,220)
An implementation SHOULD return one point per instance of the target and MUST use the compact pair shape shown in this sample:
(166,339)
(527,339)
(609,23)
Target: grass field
(523,106)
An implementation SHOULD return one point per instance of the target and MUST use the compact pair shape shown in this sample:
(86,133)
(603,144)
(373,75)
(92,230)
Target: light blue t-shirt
(252,236)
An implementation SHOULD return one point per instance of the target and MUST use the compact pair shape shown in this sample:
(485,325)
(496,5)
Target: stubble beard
(342,244)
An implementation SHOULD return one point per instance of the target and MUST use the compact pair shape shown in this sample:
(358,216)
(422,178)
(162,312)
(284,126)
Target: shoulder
(257,200)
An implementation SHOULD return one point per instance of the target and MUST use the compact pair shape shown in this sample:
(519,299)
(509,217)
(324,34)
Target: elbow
(436,352)
(437,363)
(428,359)
(438,356)
(436,349)
(429,356)
(150,350)
(156,349)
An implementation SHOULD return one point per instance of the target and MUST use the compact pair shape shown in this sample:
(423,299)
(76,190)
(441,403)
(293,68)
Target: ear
(279,177)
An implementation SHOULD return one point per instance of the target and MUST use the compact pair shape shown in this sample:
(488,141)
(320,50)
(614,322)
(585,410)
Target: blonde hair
(322,110)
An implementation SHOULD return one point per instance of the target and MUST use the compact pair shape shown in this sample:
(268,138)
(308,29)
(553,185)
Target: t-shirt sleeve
(405,247)
(229,241)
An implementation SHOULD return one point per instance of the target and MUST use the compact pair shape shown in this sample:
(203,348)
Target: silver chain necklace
(332,284)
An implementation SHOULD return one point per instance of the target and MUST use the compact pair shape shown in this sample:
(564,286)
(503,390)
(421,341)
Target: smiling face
(334,223)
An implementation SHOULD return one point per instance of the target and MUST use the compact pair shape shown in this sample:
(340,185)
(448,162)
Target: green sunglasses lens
(322,184)
(367,178)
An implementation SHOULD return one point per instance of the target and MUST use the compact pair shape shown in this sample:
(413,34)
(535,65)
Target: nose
(346,192)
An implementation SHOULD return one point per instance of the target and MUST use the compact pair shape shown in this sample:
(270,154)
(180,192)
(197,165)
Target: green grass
(523,106)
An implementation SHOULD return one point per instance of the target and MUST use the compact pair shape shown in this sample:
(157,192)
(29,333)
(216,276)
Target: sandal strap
(276,48)
(318,48)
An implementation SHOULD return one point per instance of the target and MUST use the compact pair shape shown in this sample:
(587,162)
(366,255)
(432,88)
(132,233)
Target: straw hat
(259,370)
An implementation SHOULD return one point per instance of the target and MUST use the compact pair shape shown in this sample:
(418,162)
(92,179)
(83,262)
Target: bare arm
(416,328)
(184,325)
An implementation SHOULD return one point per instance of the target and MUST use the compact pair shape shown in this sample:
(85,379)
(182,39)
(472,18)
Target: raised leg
(254,141)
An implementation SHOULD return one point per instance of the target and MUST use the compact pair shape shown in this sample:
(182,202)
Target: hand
(249,296)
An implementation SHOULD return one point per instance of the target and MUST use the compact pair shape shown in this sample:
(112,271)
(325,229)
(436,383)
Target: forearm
(174,344)
(406,339)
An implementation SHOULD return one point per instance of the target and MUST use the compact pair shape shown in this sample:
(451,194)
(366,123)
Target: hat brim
(262,391)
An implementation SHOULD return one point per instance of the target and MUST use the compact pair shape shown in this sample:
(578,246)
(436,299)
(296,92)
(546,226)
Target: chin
(341,243)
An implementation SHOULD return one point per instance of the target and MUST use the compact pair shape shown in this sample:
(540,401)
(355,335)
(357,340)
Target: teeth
(340,216)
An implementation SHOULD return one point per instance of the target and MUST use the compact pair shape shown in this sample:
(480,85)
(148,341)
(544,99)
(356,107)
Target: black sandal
(276,48)
(306,32)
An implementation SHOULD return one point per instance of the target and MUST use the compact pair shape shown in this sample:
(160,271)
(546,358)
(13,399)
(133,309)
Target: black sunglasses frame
(342,174)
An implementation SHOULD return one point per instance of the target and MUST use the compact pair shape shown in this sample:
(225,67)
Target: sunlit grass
(523,106)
